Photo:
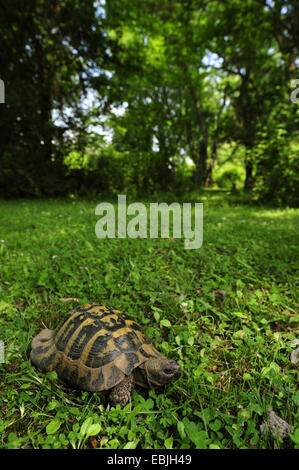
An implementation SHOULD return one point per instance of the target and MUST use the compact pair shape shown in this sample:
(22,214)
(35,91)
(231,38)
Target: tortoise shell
(94,348)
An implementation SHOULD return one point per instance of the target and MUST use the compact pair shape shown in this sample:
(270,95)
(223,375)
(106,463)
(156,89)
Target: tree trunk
(201,163)
(209,176)
(248,179)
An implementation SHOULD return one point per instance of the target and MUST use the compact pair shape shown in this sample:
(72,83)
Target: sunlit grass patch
(227,312)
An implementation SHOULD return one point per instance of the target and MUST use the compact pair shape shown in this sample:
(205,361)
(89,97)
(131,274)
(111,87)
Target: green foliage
(44,52)
(121,97)
(276,158)
(229,178)
(234,350)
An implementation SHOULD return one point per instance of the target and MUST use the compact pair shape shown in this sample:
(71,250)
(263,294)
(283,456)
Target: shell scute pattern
(97,336)
(94,347)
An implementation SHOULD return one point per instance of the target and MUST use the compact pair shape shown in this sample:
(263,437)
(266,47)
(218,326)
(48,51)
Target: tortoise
(99,348)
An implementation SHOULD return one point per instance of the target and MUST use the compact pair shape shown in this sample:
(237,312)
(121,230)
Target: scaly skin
(121,393)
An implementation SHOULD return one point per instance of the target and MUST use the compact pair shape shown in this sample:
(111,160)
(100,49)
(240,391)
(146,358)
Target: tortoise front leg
(121,393)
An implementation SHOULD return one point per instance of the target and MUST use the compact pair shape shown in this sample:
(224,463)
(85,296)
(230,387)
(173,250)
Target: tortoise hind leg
(43,350)
(121,393)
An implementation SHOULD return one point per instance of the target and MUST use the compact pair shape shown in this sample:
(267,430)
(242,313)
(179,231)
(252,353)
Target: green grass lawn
(234,348)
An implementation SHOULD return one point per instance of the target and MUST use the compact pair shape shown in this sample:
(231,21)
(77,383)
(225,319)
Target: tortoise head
(157,372)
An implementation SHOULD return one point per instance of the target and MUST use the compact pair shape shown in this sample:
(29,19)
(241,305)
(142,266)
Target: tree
(46,55)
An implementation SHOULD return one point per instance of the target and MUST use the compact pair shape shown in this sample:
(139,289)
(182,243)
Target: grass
(234,346)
